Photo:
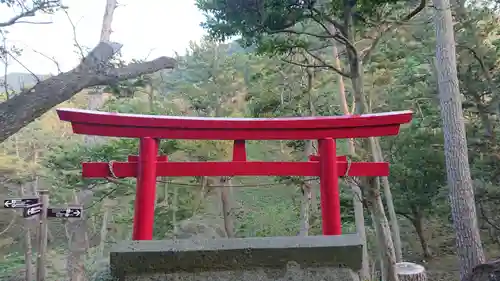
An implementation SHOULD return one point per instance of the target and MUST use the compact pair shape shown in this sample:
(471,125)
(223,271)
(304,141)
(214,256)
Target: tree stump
(408,271)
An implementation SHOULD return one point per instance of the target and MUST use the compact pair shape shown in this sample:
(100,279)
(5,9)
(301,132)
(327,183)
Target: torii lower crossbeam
(235,168)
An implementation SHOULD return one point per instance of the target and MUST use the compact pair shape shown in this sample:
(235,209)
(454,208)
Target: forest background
(304,63)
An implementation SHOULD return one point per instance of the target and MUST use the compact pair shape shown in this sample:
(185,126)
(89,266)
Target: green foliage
(11,262)
(212,79)
(64,162)
(417,169)
(233,17)
(260,220)
(253,19)
(283,27)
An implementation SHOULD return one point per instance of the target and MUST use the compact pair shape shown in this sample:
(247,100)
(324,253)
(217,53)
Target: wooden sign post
(40,207)
(42,243)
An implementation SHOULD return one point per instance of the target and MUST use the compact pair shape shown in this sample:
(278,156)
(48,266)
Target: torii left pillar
(145,201)
(329,187)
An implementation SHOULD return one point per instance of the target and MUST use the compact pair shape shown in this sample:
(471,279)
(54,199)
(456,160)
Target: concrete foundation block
(326,258)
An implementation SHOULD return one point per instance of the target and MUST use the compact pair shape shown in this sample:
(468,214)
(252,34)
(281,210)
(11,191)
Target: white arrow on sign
(33,210)
(77,212)
(12,203)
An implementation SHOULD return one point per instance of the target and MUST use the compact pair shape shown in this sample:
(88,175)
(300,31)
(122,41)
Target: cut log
(408,271)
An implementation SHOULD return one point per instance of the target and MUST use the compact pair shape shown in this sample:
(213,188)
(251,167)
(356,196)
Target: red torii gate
(148,165)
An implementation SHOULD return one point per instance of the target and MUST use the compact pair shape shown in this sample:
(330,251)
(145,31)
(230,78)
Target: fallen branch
(94,70)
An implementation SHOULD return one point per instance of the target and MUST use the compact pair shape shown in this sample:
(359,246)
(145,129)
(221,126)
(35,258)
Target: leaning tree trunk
(393,218)
(372,188)
(461,193)
(306,187)
(376,207)
(357,196)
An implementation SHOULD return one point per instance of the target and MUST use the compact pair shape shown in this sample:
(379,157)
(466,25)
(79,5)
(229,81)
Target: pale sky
(145,28)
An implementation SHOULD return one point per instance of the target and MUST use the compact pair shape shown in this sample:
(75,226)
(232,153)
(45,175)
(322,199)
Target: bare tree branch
(23,66)
(415,12)
(53,59)
(386,27)
(29,12)
(291,31)
(30,104)
(34,22)
(339,26)
(75,38)
(322,64)
(367,53)
(329,66)
(5,59)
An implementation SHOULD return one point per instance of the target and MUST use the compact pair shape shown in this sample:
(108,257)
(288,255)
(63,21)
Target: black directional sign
(19,202)
(69,212)
(32,210)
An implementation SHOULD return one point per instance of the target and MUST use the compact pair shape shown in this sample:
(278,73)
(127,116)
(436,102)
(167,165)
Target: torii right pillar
(331,167)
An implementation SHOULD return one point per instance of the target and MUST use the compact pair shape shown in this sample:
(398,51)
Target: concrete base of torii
(326,258)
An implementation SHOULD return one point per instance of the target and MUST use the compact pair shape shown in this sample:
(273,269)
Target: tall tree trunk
(419,228)
(372,186)
(200,194)
(96,97)
(306,187)
(104,227)
(163,196)
(463,208)
(396,236)
(225,182)
(175,200)
(151,96)
(357,196)
(76,232)
(379,248)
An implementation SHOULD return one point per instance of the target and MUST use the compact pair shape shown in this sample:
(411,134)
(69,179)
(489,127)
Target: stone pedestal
(326,258)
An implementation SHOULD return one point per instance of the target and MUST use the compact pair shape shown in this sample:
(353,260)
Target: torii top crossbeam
(291,128)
